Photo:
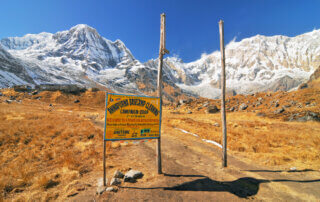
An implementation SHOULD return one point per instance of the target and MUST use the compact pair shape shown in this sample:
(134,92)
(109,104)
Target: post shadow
(280,171)
(242,187)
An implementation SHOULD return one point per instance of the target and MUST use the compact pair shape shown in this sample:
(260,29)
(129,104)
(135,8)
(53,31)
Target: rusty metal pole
(223,91)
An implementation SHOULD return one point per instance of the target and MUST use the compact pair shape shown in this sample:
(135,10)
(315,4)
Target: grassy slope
(47,151)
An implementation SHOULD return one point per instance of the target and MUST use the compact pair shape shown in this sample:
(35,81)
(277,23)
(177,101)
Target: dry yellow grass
(44,149)
(266,141)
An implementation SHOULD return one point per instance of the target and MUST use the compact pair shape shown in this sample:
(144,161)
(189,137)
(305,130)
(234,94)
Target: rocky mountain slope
(254,64)
(81,56)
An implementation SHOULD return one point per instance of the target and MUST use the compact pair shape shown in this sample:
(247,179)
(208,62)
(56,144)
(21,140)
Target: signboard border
(105,121)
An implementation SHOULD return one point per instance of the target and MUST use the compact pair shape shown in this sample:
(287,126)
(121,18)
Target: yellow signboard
(132,117)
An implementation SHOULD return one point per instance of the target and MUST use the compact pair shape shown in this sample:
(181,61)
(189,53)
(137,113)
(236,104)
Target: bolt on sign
(132,117)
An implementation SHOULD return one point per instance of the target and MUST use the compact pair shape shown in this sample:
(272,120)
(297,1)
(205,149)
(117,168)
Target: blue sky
(192,25)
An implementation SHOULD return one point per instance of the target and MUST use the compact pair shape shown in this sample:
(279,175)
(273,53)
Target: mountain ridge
(81,56)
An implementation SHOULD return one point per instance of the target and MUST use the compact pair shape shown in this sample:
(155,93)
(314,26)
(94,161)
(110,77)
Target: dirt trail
(192,172)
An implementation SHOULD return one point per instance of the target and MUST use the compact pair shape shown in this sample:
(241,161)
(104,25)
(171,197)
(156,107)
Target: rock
(71,194)
(100,190)
(18,190)
(302,86)
(50,105)
(287,106)
(212,109)
(182,102)
(279,111)
(313,104)
(189,100)
(91,136)
(276,104)
(76,101)
(258,104)
(216,124)
(293,102)
(205,104)
(118,174)
(9,101)
(115,181)
(189,112)
(307,103)
(132,175)
(1,94)
(260,99)
(232,109)
(66,88)
(310,116)
(22,88)
(243,106)
(12,98)
(94,89)
(109,189)
(261,114)
(34,92)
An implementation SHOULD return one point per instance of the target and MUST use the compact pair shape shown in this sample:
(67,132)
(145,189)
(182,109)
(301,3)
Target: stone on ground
(115,181)
(132,175)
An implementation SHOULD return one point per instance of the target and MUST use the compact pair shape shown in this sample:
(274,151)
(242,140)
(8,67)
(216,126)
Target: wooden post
(104,146)
(162,51)
(223,89)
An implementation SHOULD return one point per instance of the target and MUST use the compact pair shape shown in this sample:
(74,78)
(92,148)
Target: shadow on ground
(280,171)
(242,187)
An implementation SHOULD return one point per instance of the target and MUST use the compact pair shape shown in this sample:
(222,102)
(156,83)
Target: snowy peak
(21,43)
(258,63)
(82,56)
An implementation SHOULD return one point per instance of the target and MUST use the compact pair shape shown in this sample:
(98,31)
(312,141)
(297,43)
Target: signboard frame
(137,96)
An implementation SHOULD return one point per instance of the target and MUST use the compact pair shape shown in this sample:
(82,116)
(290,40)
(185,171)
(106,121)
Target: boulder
(94,89)
(243,106)
(302,86)
(111,189)
(310,116)
(115,181)
(34,92)
(100,190)
(76,101)
(22,88)
(132,175)
(279,111)
(118,174)
(212,109)
(232,109)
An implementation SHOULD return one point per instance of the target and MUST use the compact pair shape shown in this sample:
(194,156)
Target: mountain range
(81,56)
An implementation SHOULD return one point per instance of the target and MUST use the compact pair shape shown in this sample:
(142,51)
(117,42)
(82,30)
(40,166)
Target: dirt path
(192,172)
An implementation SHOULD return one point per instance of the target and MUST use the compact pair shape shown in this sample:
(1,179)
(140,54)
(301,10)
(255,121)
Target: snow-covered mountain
(254,64)
(76,56)
(81,56)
